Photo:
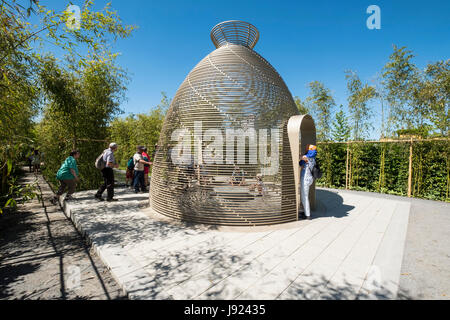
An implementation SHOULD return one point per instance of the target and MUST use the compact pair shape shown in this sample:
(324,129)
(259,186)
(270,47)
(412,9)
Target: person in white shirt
(139,162)
(108,173)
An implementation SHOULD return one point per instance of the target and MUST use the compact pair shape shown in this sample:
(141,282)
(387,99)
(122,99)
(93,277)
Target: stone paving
(351,249)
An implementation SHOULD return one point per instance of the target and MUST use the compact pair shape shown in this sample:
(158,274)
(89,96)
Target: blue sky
(303,40)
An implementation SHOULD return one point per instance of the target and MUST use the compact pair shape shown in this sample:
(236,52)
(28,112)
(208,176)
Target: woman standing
(306,178)
(146,166)
(67,176)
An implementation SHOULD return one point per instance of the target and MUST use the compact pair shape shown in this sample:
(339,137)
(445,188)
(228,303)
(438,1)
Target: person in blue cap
(306,178)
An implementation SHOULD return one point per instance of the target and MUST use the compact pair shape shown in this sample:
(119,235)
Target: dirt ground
(42,255)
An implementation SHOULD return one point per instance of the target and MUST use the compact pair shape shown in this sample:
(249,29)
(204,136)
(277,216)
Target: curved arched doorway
(301,131)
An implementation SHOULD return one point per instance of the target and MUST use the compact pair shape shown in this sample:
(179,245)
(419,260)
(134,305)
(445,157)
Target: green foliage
(142,129)
(396,169)
(417,98)
(358,99)
(398,75)
(341,130)
(17,193)
(421,132)
(431,164)
(435,95)
(371,170)
(19,97)
(80,106)
(301,106)
(321,104)
(79,98)
(97,30)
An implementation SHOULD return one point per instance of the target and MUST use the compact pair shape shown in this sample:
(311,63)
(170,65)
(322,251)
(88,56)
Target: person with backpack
(67,176)
(139,162)
(130,172)
(106,162)
(307,165)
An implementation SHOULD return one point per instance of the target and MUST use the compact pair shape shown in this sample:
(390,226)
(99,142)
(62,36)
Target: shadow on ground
(12,273)
(173,253)
(330,204)
(39,246)
(323,289)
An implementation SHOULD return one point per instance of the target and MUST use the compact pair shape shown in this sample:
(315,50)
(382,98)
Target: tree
(379,86)
(436,95)
(400,76)
(301,106)
(83,94)
(79,107)
(341,130)
(60,89)
(141,129)
(358,99)
(321,104)
(19,96)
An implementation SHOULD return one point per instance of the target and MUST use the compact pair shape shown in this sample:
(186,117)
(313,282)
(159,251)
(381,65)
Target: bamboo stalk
(410,168)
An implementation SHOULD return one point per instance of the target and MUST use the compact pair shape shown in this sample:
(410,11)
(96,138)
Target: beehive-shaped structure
(224,156)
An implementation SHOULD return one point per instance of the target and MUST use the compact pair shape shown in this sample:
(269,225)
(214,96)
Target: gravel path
(42,256)
(426,262)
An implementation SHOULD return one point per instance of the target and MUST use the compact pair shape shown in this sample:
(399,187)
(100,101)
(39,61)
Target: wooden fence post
(346,168)
(410,168)
(381,177)
(448,183)
(350,173)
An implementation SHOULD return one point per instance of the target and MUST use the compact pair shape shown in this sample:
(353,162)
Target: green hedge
(430,174)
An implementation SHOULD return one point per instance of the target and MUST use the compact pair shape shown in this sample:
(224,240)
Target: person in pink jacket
(146,167)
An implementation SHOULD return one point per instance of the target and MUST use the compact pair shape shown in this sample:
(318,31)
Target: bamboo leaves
(359,96)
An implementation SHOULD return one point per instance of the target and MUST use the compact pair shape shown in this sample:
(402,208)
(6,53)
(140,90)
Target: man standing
(108,173)
(139,163)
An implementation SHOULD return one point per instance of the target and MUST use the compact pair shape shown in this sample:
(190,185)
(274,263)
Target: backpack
(146,165)
(130,164)
(100,164)
(315,171)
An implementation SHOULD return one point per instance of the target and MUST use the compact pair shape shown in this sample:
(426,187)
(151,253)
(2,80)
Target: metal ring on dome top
(236,32)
